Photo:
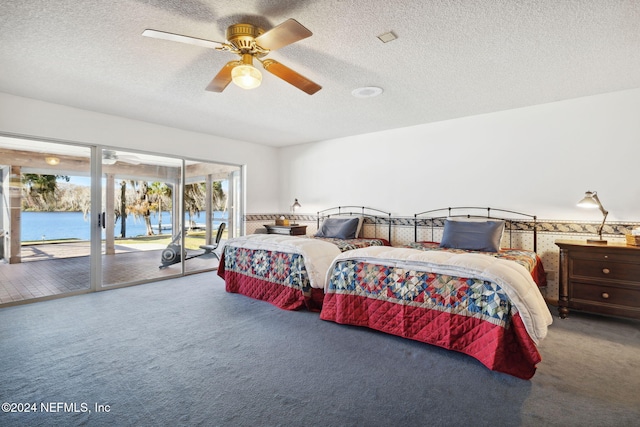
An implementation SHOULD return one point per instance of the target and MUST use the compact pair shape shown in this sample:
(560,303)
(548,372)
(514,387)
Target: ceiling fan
(110,157)
(250,42)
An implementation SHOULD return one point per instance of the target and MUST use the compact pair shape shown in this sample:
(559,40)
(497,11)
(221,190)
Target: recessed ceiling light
(387,37)
(366,92)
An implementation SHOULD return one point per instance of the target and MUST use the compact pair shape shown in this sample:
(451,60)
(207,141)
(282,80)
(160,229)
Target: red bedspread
(466,314)
(280,278)
(273,291)
(502,349)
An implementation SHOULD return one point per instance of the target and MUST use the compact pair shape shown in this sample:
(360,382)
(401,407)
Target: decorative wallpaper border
(543,226)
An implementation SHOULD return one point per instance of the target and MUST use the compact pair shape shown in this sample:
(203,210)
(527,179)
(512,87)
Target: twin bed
(290,271)
(465,293)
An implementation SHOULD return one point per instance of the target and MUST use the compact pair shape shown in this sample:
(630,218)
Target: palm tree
(194,197)
(40,190)
(218,197)
(141,205)
(121,210)
(160,195)
(157,196)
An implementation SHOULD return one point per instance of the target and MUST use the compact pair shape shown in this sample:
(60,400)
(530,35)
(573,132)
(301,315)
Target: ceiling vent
(387,37)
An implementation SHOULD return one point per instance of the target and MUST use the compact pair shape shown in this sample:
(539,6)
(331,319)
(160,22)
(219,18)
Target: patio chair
(209,249)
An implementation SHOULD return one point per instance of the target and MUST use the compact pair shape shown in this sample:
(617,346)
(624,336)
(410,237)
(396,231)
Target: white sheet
(317,254)
(509,275)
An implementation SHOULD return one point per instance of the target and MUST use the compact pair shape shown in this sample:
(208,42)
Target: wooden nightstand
(291,230)
(598,278)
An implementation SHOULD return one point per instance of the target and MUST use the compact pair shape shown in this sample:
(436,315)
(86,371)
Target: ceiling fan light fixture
(246,76)
(249,42)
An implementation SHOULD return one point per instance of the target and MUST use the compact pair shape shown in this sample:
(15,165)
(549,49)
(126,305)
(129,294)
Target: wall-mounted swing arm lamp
(295,206)
(592,201)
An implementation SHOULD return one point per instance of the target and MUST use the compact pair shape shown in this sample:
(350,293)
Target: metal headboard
(378,216)
(435,218)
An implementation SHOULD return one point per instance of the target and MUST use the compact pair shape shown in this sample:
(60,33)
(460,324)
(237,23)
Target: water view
(68,225)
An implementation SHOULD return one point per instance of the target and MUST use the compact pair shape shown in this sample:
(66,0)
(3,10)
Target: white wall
(34,118)
(538,160)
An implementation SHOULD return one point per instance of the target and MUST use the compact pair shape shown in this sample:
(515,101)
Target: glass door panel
(45,229)
(236,203)
(207,216)
(141,218)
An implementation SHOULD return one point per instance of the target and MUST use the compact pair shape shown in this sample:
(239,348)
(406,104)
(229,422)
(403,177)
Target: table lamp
(592,201)
(295,206)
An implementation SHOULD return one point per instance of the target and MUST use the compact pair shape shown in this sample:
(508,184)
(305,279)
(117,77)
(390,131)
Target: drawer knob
(606,271)
(605,295)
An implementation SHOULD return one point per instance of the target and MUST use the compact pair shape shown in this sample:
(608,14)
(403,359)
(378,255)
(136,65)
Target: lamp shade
(589,201)
(246,76)
(294,206)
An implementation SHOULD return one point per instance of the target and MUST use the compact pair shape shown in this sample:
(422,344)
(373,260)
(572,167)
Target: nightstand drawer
(600,278)
(280,230)
(605,294)
(290,230)
(604,269)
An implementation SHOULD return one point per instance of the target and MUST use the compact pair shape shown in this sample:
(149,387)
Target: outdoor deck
(54,269)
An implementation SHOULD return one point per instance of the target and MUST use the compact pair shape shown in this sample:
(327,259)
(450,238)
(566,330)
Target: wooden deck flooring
(49,270)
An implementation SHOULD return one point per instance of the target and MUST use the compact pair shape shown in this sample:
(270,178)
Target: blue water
(67,225)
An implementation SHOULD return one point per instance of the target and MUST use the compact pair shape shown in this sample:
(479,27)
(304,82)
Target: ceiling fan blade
(182,39)
(290,31)
(223,78)
(290,76)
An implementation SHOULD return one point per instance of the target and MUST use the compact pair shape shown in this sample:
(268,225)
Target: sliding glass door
(140,219)
(208,215)
(76,219)
(153,226)
(45,219)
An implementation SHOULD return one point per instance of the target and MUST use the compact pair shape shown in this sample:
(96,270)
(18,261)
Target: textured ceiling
(451,59)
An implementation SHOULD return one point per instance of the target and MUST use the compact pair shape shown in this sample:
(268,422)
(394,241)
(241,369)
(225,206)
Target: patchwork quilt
(287,271)
(483,306)
(528,259)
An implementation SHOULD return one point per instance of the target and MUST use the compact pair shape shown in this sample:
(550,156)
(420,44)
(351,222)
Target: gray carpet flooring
(184,352)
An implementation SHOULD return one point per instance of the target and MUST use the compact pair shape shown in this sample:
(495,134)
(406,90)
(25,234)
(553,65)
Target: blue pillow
(473,236)
(339,228)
